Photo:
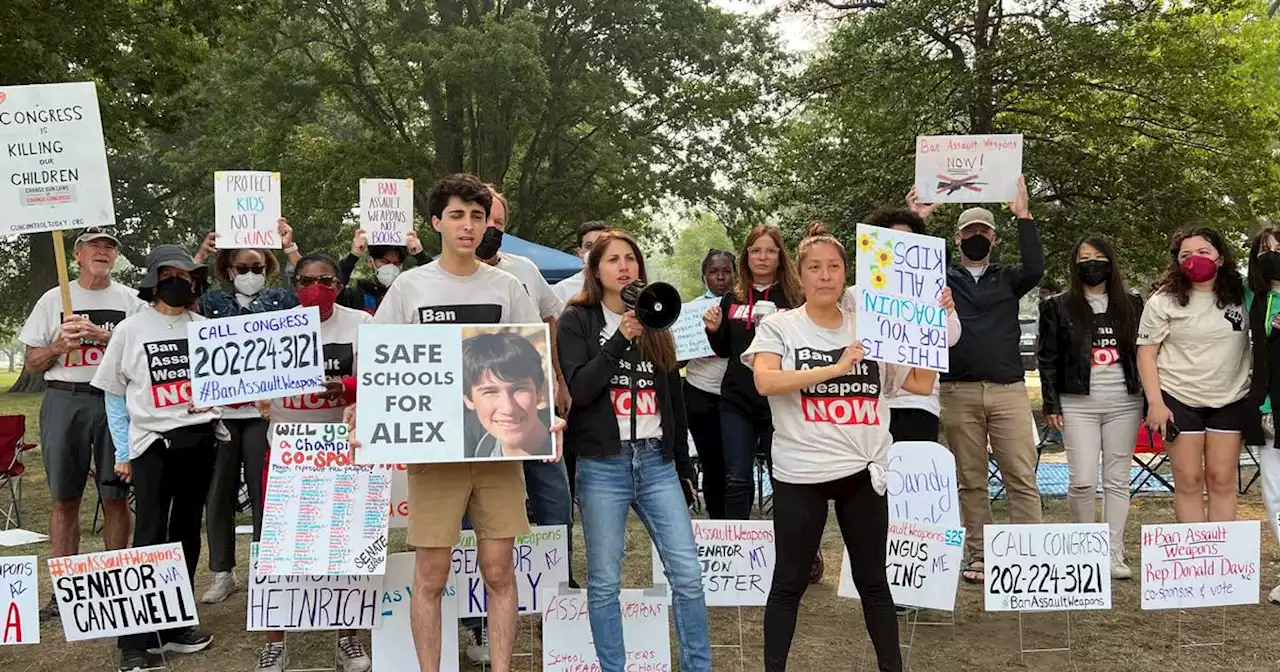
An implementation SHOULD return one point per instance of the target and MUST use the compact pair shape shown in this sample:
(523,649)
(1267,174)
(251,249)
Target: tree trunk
(42,275)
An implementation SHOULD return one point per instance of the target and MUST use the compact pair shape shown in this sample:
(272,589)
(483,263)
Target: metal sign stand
(313,669)
(532,635)
(741,661)
(912,617)
(1222,638)
(1023,650)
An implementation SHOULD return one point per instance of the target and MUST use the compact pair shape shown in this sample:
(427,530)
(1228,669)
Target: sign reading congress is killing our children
(246,208)
(541,559)
(922,562)
(316,602)
(19,601)
(53,170)
(1190,565)
(968,168)
(123,592)
(431,393)
(901,276)
(737,558)
(1047,567)
(256,356)
(386,210)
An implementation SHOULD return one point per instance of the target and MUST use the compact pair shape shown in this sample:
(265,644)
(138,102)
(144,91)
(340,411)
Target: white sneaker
(273,658)
(224,583)
(351,655)
(1274,597)
(1120,570)
(478,645)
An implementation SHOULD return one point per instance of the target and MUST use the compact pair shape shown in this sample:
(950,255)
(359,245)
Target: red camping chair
(13,430)
(1152,446)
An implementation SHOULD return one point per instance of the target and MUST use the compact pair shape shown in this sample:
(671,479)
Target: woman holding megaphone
(627,428)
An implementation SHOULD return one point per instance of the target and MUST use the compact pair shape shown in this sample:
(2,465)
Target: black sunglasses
(324,280)
(256,269)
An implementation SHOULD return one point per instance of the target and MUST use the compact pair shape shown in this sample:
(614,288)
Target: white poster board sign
(53,174)
(923,565)
(968,168)
(689,333)
(319,602)
(737,558)
(322,514)
(246,207)
(415,408)
(20,620)
(1049,567)
(124,592)
(541,559)
(567,643)
(393,647)
(901,275)
(247,358)
(386,210)
(921,483)
(1190,565)
(399,514)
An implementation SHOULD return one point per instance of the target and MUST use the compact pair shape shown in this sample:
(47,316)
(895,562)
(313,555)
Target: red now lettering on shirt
(842,410)
(310,402)
(646,401)
(1105,356)
(165,395)
(85,355)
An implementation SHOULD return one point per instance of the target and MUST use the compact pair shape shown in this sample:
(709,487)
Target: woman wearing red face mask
(1193,359)
(316,283)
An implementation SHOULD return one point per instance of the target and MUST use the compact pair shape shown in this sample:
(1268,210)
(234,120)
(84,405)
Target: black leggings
(799,514)
(703,411)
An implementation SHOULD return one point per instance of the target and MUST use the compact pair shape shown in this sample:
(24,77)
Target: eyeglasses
(256,269)
(763,251)
(324,280)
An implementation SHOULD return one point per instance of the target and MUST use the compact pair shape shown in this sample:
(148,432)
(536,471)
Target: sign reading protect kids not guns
(1188,565)
(246,207)
(124,592)
(901,275)
(386,210)
(968,168)
(19,620)
(55,167)
(737,558)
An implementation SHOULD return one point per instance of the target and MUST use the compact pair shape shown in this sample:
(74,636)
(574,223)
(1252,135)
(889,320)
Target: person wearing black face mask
(1262,303)
(1089,380)
(985,380)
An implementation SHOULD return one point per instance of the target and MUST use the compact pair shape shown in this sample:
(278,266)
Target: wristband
(291,249)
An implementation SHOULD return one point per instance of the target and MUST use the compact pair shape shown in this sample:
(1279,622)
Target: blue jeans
(744,438)
(608,487)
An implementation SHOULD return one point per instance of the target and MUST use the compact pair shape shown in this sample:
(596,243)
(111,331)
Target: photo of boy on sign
(505,392)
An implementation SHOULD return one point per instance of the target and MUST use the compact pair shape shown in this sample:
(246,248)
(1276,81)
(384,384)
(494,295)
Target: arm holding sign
(717,330)
(1028,275)
(764,356)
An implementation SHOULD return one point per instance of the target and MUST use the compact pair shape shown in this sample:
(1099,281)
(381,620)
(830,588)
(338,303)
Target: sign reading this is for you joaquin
(901,276)
(386,210)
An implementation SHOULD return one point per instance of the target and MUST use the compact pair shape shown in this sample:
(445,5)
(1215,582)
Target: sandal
(973,572)
(817,570)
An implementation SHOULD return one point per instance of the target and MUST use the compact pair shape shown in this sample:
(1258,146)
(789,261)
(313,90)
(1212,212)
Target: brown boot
(816,572)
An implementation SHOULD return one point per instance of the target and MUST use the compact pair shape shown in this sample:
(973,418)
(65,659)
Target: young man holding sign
(457,288)
(73,419)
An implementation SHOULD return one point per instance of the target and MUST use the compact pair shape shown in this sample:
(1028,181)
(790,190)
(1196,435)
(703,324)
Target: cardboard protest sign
(322,514)
(20,620)
(923,564)
(567,642)
(246,207)
(968,168)
(901,275)
(1190,565)
(416,405)
(124,592)
(1049,567)
(386,210)
(541,559)
(399,514)
(317,602)
(256,356)
(393,647)
(922,484)
(689,333)
(737,559)
(55,167)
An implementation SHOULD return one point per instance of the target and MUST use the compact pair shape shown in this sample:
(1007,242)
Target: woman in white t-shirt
(702,381)
(1193,358)
(831,442)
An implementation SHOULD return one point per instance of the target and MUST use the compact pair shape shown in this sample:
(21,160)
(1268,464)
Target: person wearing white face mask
(387,262)
(571,286)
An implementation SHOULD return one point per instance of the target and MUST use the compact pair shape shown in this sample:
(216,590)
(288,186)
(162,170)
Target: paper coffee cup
(764,309)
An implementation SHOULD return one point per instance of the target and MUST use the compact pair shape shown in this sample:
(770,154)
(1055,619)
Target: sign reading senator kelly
(968,168)
(53,171)
(737,558)
(901,276)
(426,395)
(246,208)
(19,601)
(256,356)
(123,592)
(541,559)
(386,210)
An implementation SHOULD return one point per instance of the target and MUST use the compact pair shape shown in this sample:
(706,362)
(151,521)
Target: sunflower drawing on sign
(878,279)
(866,242)
(884,257)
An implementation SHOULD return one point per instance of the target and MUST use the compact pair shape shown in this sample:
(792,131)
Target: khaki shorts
(490,493)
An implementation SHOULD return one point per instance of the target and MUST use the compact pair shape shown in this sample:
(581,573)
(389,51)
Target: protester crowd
(1193,363)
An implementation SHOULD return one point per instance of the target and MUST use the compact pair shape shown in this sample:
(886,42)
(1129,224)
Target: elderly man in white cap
(984,401)
(73,420)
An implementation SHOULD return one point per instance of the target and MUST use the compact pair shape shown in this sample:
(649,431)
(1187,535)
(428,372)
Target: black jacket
(737,329)
(1066,361)
(1266,375)
(592,428)
(988,310)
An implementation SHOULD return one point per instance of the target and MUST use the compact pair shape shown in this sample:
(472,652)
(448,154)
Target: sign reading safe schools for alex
(433,393)
(258,356)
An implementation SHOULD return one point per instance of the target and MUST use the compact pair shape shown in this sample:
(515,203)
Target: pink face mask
(1199,269)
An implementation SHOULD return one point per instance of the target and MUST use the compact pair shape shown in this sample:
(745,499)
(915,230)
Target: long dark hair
(1257,282)
(656,346)
(785,275)
(1228,286)
(1120,307)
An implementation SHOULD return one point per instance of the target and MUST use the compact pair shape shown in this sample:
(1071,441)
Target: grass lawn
(830,634)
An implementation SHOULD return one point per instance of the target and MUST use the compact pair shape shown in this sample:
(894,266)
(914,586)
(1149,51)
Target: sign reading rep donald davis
(124,592)
(386,210)
(901,276)
(246,207)
(1189,565)
(968,168)
(257,356)
(53,171)
(737,558)
(453,393)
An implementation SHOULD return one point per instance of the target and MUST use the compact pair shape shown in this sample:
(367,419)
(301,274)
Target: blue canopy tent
(554,264)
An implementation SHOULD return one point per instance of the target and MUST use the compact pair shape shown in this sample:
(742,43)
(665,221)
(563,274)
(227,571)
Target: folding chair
(993,469)
(1247,458)
(1152,446)
(13,430)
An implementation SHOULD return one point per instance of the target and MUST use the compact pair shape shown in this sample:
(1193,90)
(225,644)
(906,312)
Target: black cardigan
(592,427)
